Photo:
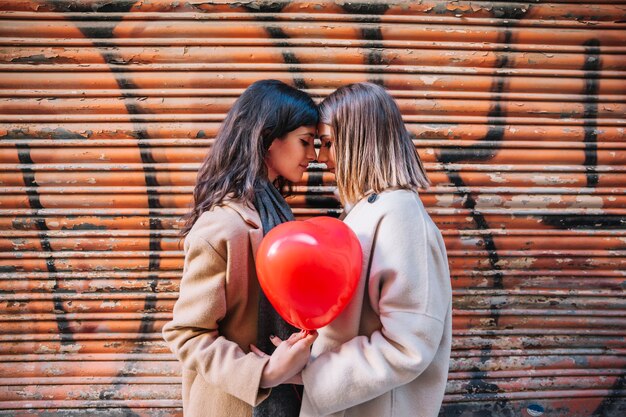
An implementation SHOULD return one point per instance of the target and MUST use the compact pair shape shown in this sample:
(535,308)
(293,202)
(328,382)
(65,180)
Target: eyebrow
(307,134)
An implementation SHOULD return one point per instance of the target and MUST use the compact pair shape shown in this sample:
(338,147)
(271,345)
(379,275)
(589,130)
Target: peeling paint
(551,180)
(496,177)
(588,202)
(514,108)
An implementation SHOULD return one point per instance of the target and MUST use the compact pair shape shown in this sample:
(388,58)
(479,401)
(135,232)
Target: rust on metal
(517,109)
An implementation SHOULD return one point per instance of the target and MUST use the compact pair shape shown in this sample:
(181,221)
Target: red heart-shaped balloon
(309,270)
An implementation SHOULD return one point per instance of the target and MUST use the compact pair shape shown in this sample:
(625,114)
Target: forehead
(323,130)
(304,130)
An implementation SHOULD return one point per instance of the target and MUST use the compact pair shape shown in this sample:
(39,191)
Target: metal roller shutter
(107,108)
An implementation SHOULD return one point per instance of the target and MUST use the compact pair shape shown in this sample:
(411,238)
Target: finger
(275,340)
(308,339)
(258,351)
(310,334)
(294,338)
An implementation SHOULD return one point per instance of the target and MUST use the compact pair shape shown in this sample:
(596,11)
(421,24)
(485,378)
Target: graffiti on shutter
(517,109)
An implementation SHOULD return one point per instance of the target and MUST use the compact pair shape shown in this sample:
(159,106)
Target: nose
(322,158)
(310,155)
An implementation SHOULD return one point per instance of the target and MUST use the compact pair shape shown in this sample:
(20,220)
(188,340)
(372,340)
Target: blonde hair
(374,150)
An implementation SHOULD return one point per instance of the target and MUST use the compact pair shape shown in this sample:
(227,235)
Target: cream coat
(388,352)
(215,316)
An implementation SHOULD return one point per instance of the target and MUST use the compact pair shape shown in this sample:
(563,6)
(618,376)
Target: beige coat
(215,317)
(388,352)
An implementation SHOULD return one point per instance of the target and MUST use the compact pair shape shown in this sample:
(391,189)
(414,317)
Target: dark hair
(374,150)
(267,110)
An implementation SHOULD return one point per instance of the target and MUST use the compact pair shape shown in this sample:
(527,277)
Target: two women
(388,352)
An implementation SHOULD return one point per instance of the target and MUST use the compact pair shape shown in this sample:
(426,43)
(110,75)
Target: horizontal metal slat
(393,11)
(170,58)
(246,30)
(183,79)
(185,107)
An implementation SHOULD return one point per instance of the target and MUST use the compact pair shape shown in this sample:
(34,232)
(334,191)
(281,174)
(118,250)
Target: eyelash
(328,145)
(304,142)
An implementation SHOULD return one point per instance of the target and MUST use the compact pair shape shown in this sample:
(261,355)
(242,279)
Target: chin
(292,178)
(295,178)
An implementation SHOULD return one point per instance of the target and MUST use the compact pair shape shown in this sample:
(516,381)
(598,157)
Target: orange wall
(518,111)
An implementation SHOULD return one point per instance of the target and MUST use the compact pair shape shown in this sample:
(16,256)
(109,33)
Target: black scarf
(284,400)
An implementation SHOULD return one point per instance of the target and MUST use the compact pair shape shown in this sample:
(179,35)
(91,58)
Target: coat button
(372,198)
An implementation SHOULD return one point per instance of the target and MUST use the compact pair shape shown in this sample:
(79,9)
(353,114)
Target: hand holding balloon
(288,360)
(309,270)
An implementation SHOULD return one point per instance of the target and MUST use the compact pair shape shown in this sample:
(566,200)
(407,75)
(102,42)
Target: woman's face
(290,155)
(327,150)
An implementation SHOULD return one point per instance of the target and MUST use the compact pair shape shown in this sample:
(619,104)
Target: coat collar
(252,218)
(246,211)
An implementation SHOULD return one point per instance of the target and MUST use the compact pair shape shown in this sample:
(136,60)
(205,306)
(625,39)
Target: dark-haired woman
(387,354)
(238,356)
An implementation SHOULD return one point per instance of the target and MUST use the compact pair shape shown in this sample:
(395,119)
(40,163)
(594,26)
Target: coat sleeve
(193,336)
(409,287)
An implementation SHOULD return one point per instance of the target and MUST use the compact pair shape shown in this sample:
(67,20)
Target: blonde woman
(388,352)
